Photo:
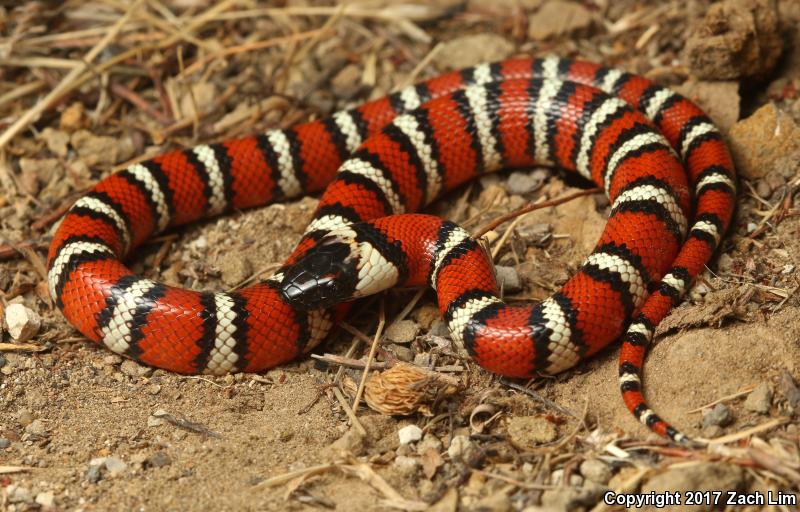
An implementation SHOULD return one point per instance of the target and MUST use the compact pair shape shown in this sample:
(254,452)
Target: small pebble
(115,466)
(352,442)
(422,360)
(18,494)
(724,262)
(234,270)
(763,189)
(134,369)
(508,279)
(439,328)
(24,417)
(155,421)
(112,359)
(158,460)
(94,474)
(601,201)
(404,331)
(23,323)
(557,478)
(402,353)
(461,448)
(347,82)
(37,428)
(4,443)
(409,434)
(559,18)
(788,388)
(712,431)
(522,183)
(528,431)
(45,499)
(760,399)
(429,442)
(719,415)
(596,470)
(407,466)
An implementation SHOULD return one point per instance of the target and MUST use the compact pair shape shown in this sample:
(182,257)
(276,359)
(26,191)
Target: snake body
(659,158)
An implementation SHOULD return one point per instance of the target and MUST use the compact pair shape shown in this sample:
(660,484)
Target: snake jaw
(324,277)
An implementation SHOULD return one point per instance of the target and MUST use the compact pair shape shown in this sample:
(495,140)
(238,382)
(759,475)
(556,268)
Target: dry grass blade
(188,425)
(532,207)
(348,362)
(21,347)
(367,474)
(725,398)
(288,477)
(357,469)
(371,357)
(515,482)
(68,81)
(7,470)
(349,411)
(744,434)
(249,47)
(21,91)
(773,463)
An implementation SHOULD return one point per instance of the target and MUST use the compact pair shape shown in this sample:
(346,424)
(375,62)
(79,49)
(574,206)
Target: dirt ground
(88,87)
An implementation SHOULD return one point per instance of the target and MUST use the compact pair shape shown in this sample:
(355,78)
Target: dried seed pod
(404,389)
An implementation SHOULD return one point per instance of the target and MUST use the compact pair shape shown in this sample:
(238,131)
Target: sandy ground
(82,429)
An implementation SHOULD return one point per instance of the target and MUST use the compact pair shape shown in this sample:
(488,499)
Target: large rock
(763,139)
(559,18)
(736,38)
(719,99)
(466,51)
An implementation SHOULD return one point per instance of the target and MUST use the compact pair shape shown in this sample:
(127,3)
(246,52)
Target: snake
(661,161)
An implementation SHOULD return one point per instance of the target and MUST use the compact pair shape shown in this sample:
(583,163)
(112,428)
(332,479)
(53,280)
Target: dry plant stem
(287,477)
(257,45)
(7,470)
(367,474)
(12,251)
(412,77)
(35,261)
(325,28)
(140,103)
(514,482)
(348,362)
(736,436)
(504,238)
(352,11)
(81,75)
(355,332)
(371,356)
(539,398)
(350,351)
(65,84)
(21,91)
(532,207)
(726,398)
(57,213)
(349,411)
(411,305)
(21,347)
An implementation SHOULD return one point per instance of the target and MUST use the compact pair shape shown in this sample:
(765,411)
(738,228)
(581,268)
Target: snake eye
(325,276)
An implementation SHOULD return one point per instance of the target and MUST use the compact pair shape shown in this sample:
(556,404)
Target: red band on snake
(662,162)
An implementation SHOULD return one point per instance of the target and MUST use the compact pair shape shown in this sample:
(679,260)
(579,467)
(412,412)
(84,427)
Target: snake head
(325,276)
